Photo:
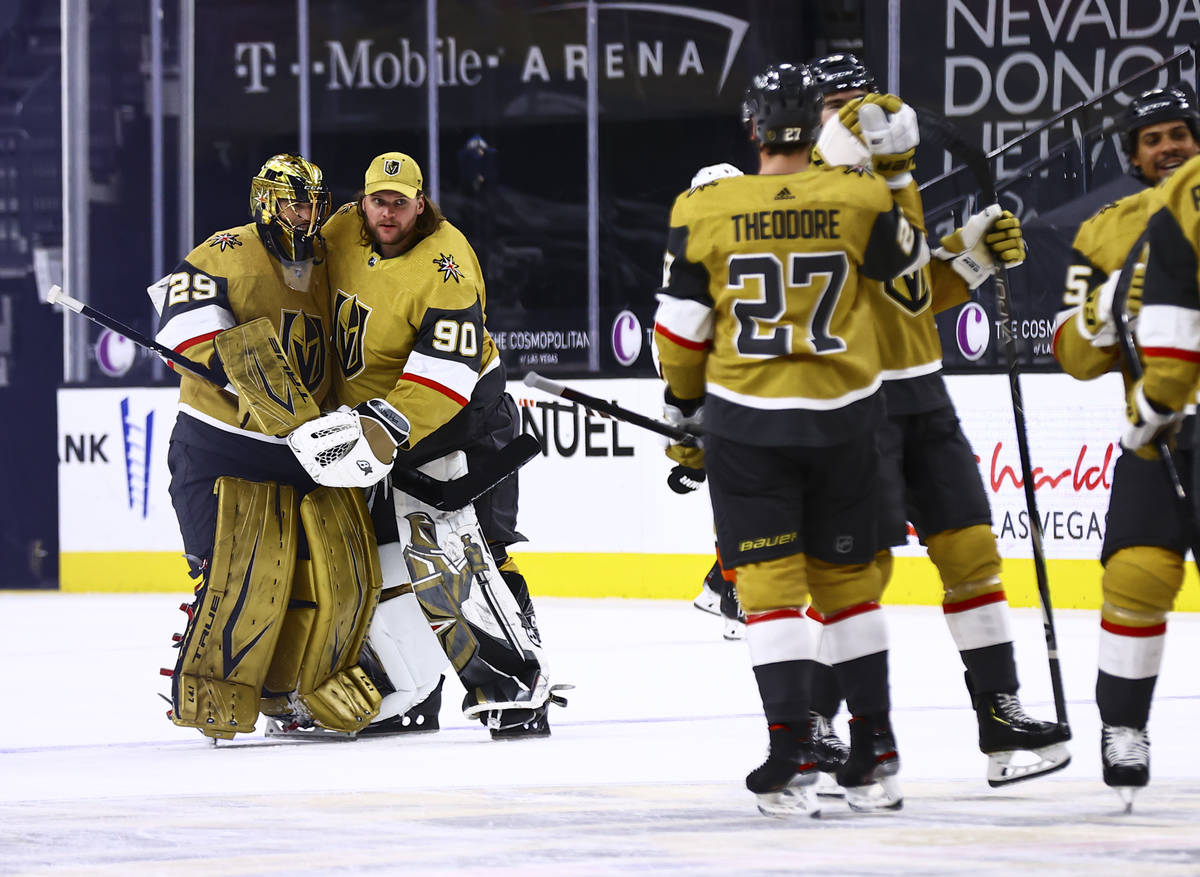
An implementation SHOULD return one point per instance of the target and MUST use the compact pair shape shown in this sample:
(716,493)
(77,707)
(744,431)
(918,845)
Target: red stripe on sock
(1124,630)
(860,609)
(773,615)
(973,602)
(815,615)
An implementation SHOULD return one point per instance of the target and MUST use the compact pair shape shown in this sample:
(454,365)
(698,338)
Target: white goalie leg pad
(468,605)
(402,640)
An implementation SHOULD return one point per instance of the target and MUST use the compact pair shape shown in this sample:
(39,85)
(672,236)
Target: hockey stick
(56,296)
(444,496)
(554,388)
(1133,366)
(944,134)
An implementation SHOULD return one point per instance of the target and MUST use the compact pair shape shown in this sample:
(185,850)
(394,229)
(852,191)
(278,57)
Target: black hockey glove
(685,479)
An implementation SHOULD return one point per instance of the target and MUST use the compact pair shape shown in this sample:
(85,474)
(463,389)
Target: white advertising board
(600,485)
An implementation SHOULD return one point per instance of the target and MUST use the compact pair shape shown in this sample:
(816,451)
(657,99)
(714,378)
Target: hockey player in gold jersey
(1145,540)
(928,469)
(288,576)
(764,318)
(414,358)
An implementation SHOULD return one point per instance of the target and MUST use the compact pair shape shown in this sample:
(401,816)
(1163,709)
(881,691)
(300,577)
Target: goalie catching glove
(685,414)
(350,448)
(989,240)
(1147,419)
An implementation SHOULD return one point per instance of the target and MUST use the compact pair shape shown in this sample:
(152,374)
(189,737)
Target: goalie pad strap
(333,600)
(270,394)
(232,632)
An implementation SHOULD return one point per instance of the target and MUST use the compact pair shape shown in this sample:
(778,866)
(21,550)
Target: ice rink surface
(643,772)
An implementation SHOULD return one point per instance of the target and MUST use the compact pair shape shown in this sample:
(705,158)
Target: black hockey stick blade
(612,409)
(447,496)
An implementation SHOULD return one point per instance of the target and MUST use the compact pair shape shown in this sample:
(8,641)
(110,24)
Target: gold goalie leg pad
(334,597)
(238,612)
(270,394)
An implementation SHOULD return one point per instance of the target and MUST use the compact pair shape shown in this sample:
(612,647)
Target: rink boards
(595,506)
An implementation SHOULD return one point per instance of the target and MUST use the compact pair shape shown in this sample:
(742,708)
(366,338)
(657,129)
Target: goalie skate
(1018,747)
(297,728)
(784,785)
(1125,754)
(869,774)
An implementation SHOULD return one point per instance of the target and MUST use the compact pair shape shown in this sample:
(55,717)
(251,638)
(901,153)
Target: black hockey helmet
(842,72)
(1159,105)
(782,106)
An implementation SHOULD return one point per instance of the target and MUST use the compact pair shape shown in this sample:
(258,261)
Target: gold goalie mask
(289,201)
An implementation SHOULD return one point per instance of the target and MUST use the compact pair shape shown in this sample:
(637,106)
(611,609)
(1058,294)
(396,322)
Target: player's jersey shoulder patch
(448,267)
(224,240)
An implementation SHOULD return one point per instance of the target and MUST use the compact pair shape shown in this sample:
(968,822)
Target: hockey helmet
(782,106)
(842,72)
(1159,105)
(289,200)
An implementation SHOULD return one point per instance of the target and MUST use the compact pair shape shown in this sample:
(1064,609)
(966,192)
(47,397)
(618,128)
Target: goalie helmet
(1159,105)
(289,201)
(782,106)
(842,72)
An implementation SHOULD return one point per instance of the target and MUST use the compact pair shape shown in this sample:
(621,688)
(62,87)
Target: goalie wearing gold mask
(287,572)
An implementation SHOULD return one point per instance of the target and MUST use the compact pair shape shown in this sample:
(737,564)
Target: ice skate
(731,611)
(302,729)
(784,783)
(1125,753)
(1018,747)
(519,724)
(869,773)
(831,753)
(709,598)
(422,717)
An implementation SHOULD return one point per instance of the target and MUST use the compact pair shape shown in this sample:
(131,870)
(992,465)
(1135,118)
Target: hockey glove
(684,479)
(976,250)
(1095,321)
(335,449)
(712,173)
(685,414)
(888,127)
(1147,419)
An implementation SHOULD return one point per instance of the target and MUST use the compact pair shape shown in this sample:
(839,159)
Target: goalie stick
(554,388)
(940,132)
(1133,367)
(445,496)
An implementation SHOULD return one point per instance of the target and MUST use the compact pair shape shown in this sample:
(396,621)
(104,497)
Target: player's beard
(393,233)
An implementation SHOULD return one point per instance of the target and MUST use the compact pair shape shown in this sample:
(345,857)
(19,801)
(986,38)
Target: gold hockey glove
(888,127)
(1147,420)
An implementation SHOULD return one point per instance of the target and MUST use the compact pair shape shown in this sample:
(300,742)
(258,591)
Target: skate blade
(734,630)
(278,731)
(883,794)
(792,800)
(827,787)
(708,601)
(1126,794)
(1002,771)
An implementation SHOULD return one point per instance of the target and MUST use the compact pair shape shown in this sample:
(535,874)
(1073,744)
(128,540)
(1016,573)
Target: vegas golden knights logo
(910,291)
(391,167)
(303,340)
(350,326)
(443,585)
